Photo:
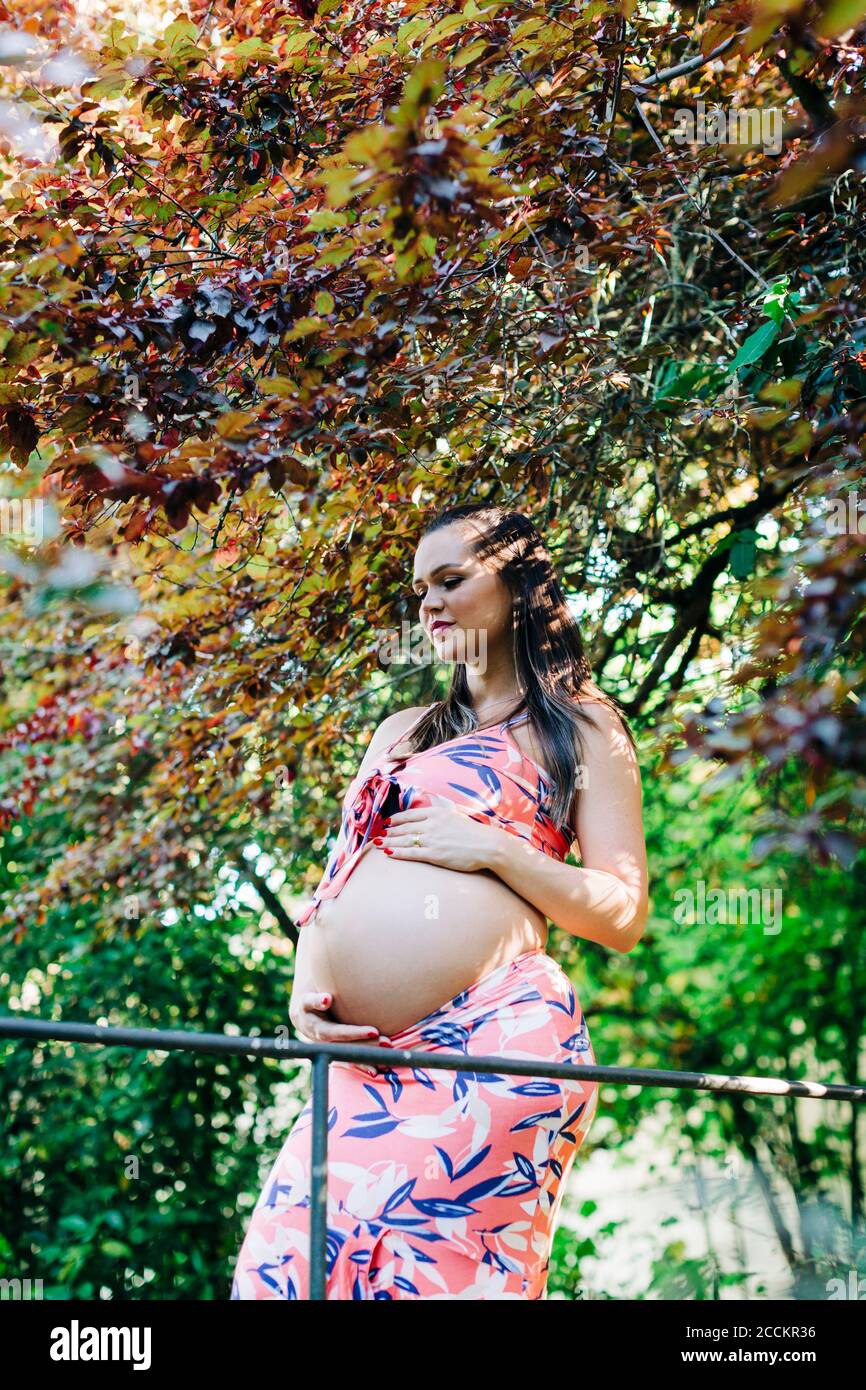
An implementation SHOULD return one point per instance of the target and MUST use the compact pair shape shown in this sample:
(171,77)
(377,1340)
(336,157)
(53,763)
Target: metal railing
(322,1054)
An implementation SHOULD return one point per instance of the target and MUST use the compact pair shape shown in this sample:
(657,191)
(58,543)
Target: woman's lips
(440,627)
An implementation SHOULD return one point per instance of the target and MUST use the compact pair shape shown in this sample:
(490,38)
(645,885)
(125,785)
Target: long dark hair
(549,658)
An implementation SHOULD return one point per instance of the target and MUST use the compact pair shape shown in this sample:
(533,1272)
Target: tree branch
(700,60)
(268,896)
(813,101)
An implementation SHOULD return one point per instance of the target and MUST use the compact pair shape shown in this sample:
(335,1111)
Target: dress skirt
(440,1184)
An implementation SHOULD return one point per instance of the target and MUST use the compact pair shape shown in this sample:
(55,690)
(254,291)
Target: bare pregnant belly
(403,937)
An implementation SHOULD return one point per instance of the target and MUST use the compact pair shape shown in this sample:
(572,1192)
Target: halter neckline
(472,733)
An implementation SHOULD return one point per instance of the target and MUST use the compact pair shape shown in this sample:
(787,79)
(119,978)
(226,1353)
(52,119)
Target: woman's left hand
(448,838)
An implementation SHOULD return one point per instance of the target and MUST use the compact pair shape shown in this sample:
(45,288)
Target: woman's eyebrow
(455,565)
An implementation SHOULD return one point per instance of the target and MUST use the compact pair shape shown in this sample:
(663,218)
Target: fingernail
(377,840)
(326,998)
(389,851)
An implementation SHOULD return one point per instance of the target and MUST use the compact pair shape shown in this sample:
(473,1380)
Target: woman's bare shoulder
(590,694)
(601,711)
(394,726)
(387,735)
(401,719)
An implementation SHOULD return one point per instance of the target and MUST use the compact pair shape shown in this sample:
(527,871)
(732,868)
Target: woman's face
(457,590)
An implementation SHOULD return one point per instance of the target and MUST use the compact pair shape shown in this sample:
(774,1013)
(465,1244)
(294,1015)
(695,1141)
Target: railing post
(319,1179)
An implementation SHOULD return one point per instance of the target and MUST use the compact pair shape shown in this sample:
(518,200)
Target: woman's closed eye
(448,584)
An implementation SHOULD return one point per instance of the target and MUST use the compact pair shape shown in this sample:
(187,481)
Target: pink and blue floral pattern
(440,1184)
(485,774)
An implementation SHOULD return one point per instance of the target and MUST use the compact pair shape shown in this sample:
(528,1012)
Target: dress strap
(516,719)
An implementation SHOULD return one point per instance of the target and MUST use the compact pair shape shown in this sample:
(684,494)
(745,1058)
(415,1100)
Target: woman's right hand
(309,1014)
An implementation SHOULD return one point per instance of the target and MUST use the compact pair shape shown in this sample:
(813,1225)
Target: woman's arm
(605,900)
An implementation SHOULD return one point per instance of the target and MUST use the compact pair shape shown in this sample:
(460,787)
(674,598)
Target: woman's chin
(452,651)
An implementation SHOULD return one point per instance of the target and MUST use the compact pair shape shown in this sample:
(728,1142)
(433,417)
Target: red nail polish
(377,841)
(389,851)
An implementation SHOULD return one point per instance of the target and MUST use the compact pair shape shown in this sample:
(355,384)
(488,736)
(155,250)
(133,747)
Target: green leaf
(424,85)
(180,30)
(449,25)
(685,380)
(743,548)
(755,345)
(325,219)
(469,54)
(839,16)
(115,1249)
(253,48)
(297,42)
(303,327)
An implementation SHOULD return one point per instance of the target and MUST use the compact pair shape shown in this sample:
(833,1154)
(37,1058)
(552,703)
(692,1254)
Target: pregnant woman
(428,931)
